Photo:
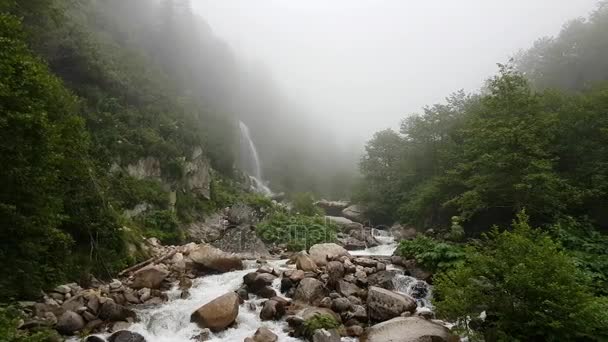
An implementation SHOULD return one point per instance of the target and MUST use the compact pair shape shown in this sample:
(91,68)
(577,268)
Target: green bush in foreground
(319,321)
(9,321)
(528,287)
(431,254)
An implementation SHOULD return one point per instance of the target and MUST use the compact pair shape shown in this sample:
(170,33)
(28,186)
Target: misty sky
(363,65)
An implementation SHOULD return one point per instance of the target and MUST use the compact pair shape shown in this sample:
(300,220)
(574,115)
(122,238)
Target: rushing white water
(170,322)
(386,248)
(250,161)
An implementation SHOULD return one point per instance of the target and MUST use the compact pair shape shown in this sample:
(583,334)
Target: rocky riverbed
(197,292)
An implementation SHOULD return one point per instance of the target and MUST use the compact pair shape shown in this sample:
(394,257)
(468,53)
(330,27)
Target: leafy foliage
(298,232)
(527,286)
(9,322)
(319,321)
(587,247)
(304,203)
(431,254)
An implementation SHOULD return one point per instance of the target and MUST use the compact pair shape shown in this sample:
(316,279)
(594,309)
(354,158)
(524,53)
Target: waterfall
(250,160)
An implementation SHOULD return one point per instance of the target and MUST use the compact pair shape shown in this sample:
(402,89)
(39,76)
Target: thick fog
(362,65)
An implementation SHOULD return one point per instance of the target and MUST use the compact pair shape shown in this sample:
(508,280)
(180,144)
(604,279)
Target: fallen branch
(143,264)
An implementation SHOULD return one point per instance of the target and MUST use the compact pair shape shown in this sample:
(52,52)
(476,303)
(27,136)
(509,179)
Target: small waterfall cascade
(386,248)
(416,288)
(250,160)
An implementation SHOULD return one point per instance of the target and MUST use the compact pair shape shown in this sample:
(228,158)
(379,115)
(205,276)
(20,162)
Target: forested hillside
(130,107)
(528,140)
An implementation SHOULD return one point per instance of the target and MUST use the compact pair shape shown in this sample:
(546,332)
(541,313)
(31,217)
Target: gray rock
(409,329)
(264,334)
(310,291)
(69,323)
(383,304)
(305,263)
(383,279)
(323,335)
(272,310)
(63,289)
(354,212)
(150,276)
(335,269)
(341,304)
(113,312)
(354,331)
(93,338)
(322,252)
(126,336)
(347,289)
(209,257)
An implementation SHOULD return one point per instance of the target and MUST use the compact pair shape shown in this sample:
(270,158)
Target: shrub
(163,225)
(431,254)
(319,321)
(528,288)
(304,204)
(587,247)
(9,321)
(298,232)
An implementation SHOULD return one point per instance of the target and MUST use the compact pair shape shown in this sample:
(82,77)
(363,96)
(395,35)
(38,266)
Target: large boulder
(244,241)
(333,208)
(310,291)
(322,252)
(355,213)
(150,276)
(219,313)
(126,336)
(305,263)
(408,329)
(69,323)
(209,257)
(383,304)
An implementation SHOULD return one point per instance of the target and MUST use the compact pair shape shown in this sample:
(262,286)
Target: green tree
(528,288)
